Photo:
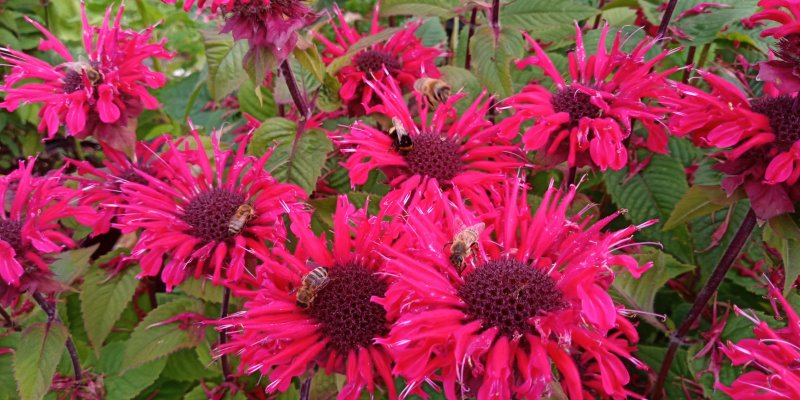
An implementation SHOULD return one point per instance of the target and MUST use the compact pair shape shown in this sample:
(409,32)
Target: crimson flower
(771,358)
(277,337)
(450,149)
(101,95)
(29,228)
(594,112)
(532,299)
(785,71)
(401,57)
(186,213)
(761,136)
(265,24)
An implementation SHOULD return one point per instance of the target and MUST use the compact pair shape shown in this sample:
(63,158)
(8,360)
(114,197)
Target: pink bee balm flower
(588,120)
(784,12)
(771,358)
(532,296)
(29,229)
(100,96)
(205,219)
(282,334)
(761,135)
(265,24)
(452,150)
(785,71)
(401,57)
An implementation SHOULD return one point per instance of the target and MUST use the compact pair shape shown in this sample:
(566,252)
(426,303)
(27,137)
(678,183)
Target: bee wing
(459,225)
(419,84)
(478,228)
(312,265)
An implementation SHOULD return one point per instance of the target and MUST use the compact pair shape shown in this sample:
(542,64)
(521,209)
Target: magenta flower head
(99,95)
(271,25)
(449,149)
(783,72)
(770,358)
(401,57)
(531,298)
(588,121)
(288,326)
(760,135)
(205,216)
(29,228)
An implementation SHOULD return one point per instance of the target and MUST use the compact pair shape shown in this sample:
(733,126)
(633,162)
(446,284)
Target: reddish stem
(470,32)
(662,28)
(52,316)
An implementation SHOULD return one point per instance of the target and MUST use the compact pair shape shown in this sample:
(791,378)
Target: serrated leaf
(421,8)
(185,366)
(337,63)
(150,342)
(697,202)
(202,289)
(10,340)
(653,194)
(544,19)
(704,228)
(36,359)
(132,382)
(640,294)
(256,101)
(311,60)
(102,301)
(492,58)
(304,166)
(702,28)
(784,235)
(431,32)
(461,79)
(225,69)
(72,264)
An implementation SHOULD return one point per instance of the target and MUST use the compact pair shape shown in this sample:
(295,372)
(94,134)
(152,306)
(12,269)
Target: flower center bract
(784,119)
(374,60)
(11,233)
(506,293)
(348,318)
(210,212)
(576,103)
(789,48)
(435,156)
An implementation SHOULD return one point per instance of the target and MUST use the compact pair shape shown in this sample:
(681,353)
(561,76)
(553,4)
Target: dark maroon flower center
(435,156)
(73,76)
(131,175)
(784,118)
(11,233)
(249,9)
(375,60)
(347,316)
(576,103)
(210,212)
(789,48)
(506,293)
(73,81)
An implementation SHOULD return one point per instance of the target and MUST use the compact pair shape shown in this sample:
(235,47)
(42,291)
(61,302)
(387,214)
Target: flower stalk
(662,28)
(713,283)
(52,316)
(471,31)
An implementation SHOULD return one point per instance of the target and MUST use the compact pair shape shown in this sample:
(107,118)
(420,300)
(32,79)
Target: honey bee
(312,283)
(436,91)
(402,141)
(243,214)
(463,241)
(85,67)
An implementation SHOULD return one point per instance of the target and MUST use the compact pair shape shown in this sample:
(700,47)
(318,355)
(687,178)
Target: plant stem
(454,38)
(597,20)
(305,389)
(716,278)
(704,55)
(298,97)
(662,28)
(9,322)
(52,316)
(570,178)
(472,18)
(495,21)
(223,337)
(689,60)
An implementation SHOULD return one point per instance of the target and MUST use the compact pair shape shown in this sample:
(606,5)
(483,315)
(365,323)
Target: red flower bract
(30,228)
(450,150)
(101,96)
(763,136)
(186,214)
(401,57)
(277,337)
(784,12)
(533,296)
(595,111)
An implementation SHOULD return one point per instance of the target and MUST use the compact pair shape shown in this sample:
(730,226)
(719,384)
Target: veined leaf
(36,358)
(783,234)
(543,19)
(697,202)
(702,28)
(639,294)
(461,79)
(492,58)
(153,339)
(256,101)
(225,69)
(103,300)
(202,289)
(421,8)
(72,264)
(132,382)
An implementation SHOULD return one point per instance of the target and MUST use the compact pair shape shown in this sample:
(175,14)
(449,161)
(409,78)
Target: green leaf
(132,382)
(697,202)
(310,59)
(783,234)
(185,366)
(36,359)
(103,299)
(225,69)
(545,19)
(639,294)
(8,387)
(304,166)
(705,27)
(202,289)
(462,79)
(431,32)
(430,8)
(256,101)
(72,264)
(325,206)
(653,194)
(492,58)
(152,340)
(337,63)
